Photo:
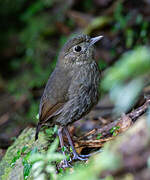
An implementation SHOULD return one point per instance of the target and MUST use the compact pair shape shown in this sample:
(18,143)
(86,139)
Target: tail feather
(38,127)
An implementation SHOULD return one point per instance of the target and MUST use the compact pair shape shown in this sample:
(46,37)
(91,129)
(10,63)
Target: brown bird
(72,89)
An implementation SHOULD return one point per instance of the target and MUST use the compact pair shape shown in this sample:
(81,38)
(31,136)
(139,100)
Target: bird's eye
(77,48)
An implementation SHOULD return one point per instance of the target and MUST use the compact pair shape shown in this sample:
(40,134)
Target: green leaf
(113,129)
(36,157)
(26,170)
(24,149)
(99,136)
(55,157)
(64,149)
(53,146)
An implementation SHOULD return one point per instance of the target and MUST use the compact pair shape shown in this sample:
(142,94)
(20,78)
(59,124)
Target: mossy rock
(26,139)
(117,155)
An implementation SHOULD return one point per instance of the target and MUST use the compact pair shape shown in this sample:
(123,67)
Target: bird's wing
(48,110)
(54,97)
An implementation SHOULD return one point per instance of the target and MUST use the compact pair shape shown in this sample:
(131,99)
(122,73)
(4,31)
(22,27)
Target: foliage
(38,42)
(19,153)
(40,165)
(27,165)
(114,129)
(122,25)
(99,163)
(129,66)
(43,167)
(31,51)
(99,136)
(125,79)
(50,132)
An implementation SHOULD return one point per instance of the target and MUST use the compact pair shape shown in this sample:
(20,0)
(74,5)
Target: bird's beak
(95,39)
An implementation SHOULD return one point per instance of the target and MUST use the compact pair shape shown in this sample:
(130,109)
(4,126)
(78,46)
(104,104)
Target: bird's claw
(79,157)
(65,164)
(85,155)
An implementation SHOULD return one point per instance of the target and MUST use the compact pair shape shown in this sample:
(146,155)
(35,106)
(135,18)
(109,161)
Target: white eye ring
(77,48)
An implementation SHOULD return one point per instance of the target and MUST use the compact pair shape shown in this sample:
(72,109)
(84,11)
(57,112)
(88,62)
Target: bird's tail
(38,127)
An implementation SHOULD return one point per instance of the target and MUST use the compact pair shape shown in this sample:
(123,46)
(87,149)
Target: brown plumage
(72,89)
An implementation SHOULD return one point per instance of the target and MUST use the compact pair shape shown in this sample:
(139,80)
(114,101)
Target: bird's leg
(75,154)
(65,162)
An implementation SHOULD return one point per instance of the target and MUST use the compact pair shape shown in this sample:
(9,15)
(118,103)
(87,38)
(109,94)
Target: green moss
(25,139)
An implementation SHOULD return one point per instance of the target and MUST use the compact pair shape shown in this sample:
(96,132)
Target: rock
(26,139)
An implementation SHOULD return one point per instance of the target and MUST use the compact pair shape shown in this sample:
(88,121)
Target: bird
(72,88)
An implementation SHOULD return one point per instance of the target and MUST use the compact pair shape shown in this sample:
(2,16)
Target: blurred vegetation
(35,31)
(35,52)
(126,79)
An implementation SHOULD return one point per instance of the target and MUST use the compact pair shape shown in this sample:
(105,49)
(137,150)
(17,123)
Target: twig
(124,123)
(139,111)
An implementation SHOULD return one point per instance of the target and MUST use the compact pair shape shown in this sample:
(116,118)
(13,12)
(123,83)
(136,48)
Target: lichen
(26,138)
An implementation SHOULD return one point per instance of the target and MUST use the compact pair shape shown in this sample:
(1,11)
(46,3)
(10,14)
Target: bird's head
(78,50)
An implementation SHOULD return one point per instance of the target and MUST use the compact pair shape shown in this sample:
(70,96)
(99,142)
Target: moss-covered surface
(26,138)
(121,154)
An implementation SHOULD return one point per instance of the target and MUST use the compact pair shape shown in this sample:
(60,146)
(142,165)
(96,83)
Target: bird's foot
(65,164)
(85,155)
(80,157)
